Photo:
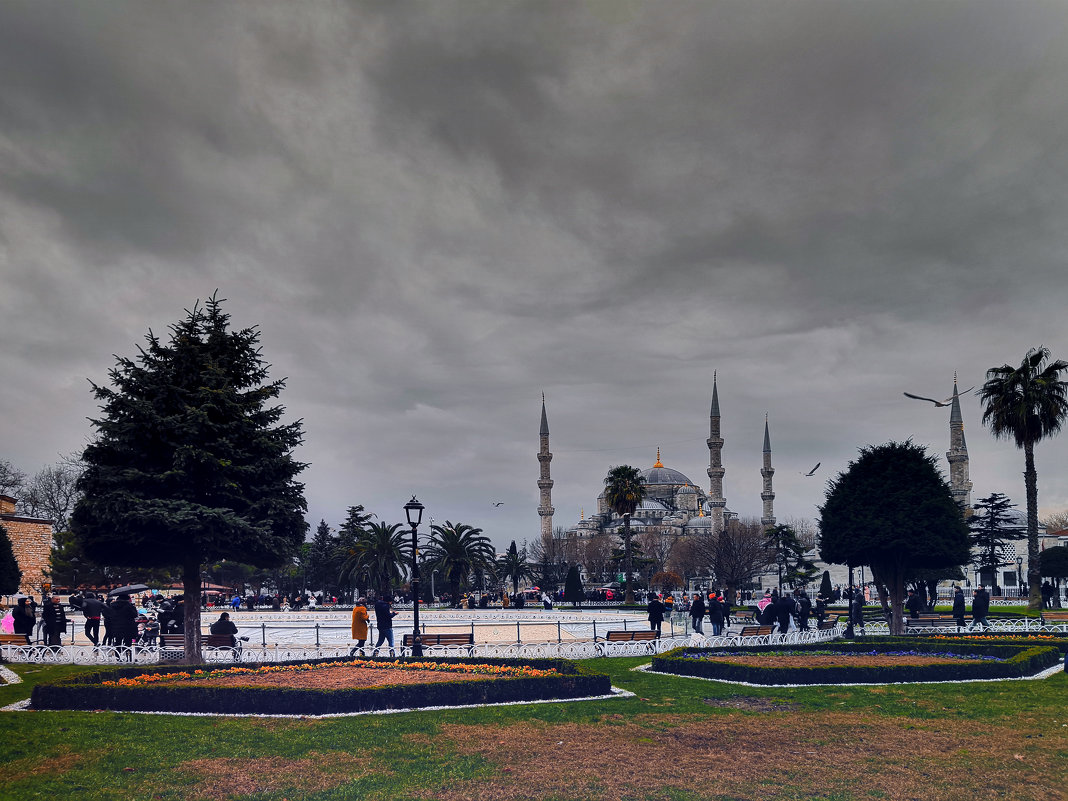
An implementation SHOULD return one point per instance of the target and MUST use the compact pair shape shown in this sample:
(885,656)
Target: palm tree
(513,564)
(624,491)
(455,551)
(1027,404)
(377,555)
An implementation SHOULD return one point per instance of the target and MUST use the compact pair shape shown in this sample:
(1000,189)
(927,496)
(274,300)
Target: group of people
(384,615)
(714,605)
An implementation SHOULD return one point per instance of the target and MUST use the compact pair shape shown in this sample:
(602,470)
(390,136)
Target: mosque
(676,506)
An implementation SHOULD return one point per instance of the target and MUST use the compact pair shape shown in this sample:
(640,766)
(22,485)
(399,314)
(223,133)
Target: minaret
(715,464)
(545,484)
(767,471)
(959,485)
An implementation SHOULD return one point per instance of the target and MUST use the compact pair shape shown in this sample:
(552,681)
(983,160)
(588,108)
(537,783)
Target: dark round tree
(892,509)
(190,463)
(573,592)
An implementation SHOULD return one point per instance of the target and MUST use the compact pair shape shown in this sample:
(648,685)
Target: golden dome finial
(658,464)
(582,514)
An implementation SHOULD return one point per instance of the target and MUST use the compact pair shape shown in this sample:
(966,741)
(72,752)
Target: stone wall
(31,540)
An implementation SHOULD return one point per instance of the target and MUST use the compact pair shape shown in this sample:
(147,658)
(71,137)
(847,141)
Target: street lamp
(1019,576)
(414,511)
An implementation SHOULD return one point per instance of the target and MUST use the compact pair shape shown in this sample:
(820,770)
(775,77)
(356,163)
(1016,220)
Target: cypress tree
(10,575)
(573,593)
(190,463)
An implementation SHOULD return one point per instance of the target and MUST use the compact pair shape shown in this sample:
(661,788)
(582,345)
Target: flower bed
(889,660)
(181,688)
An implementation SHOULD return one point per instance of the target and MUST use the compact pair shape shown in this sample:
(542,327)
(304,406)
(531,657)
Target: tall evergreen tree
(190,462)
(321,555)
(992,525)
(1027,404)
(10,575)
(624,491)
(893,510)
(788,553)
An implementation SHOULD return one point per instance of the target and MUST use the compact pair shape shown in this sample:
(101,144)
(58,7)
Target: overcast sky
(437,211)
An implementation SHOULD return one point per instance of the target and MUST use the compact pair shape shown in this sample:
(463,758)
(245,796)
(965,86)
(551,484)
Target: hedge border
(87,692)
(1022,660)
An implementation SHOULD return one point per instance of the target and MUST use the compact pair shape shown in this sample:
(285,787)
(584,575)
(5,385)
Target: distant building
(31,540)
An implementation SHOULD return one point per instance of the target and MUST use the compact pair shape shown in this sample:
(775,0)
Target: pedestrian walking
(697,613)
(384,620)
(958,606)
(359,625)
(980,608)
(655,610)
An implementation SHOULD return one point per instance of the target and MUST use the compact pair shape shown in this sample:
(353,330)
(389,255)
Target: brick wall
(31,540)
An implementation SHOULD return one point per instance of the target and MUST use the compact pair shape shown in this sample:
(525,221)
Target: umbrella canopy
(128,589)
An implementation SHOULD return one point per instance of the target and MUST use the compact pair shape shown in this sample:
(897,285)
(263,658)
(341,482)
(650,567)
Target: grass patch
(677,739)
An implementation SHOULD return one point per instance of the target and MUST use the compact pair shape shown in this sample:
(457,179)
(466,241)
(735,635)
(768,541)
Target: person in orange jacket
(359,624)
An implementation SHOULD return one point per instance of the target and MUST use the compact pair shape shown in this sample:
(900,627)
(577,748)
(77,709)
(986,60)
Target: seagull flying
(940,403)
(498,503)
(813,470)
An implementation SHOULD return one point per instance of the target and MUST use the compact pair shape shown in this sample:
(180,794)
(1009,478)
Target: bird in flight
(940,403)
(498,503)
(813,470)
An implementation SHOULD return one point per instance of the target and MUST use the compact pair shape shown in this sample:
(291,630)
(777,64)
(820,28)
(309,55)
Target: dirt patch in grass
(753,703)
(222,778)
(814,754)
(39,765)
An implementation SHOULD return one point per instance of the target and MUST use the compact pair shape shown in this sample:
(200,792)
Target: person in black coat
(914,603)
(715,614)
(25,619)
(784,610)
(958,607)
(804,610)
(55,621)
(980,608)
(655,609)
(91,608)
(697,613)
(124,623)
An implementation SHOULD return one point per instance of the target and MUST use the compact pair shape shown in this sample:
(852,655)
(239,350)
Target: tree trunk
(897,601)
(1034,579)
(191,588)
(628,598)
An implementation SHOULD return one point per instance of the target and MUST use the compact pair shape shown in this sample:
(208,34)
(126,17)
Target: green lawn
(678,738)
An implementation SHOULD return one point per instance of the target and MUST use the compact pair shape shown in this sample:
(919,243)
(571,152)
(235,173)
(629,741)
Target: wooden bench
(929,621)
(632,635)
(172,646)
(13,639)
(742,617)
(440,639)
(826,625)
(1049,617)
(756,631)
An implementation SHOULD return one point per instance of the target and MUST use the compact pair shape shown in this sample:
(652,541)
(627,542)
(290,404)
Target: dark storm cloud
(438,210)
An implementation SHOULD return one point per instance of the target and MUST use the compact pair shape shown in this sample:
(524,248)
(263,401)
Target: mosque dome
(658,474)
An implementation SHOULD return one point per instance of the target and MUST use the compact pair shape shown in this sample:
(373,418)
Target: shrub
(86,691)
(1019,660)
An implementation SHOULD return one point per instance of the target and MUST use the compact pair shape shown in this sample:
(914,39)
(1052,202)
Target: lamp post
(414,511)
(1019,576)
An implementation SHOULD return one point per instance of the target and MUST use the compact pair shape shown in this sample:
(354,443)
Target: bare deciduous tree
(12,480)
(52,493)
